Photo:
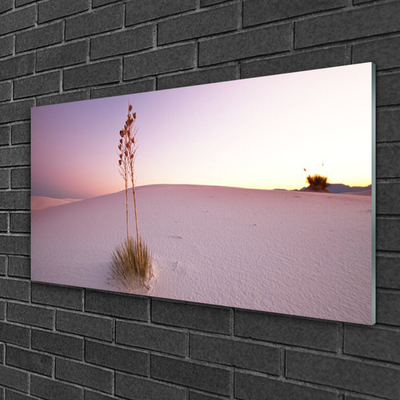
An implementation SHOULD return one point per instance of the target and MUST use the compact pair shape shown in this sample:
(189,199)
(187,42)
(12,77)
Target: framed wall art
(255,193)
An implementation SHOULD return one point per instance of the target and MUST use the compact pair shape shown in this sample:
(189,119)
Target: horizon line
(193,184)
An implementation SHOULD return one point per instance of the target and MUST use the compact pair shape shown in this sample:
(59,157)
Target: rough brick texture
(29,360)
(59,342)
(151,337)
(40,37)
(122,359)
(85,325)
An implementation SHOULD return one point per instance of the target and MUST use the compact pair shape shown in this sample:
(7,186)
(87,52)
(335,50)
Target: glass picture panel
(256,193)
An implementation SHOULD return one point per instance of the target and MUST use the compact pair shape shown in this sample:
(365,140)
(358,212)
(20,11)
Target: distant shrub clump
(317,183)
(131,265)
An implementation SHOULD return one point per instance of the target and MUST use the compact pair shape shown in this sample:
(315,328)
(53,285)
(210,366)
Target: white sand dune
(290,252)
(40,202)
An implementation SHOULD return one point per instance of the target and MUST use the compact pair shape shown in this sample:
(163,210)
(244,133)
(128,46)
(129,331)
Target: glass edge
(373,175)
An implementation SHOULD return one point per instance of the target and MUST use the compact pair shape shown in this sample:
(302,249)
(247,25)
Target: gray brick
(199,77)
(37,85)
(382,52)
(128,41)
(235,353)
(151,337)
(12,395)
(376,343)
(89,395)
(6,5)
(246,44)
(320,335)
(358,376)
(388,161)
(99,3)
(54,9)
(387,195)
(251,387)
(117,305)
(3,222)
(58,296)
(146,10)
(19,266)
(387,308)
(10,333)
(131,387)
(85,375)
(5,91)
(19,3)
(85,325)
(20,222)
(205,3)
(160,61)
(201,396)
(145,85)
(19,245)
(117,358)
(14,378)
(16,20)
(50,389)
(258,11)
(387,92)
(39,37)
(388,272)
(198,24)
(2,310)
(65,97)
(348,25)
(31,315)
(388,234)
(21,178)
(6,46)
(92,74)
(387,123)
(16,66)
(3,264)
(15,200)
(29,360)
(15,111)
(332,57)
(103,20)
(12,288)
(21,133)
(56,343)
(191,374)
(193,316)
(350,397)
(5,135)
(62,56)
(14,156)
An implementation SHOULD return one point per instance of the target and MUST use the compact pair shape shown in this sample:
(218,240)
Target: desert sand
(40,202)
(291,252)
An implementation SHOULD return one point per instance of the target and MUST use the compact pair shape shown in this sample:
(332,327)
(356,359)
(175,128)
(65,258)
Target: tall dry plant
(123,166)
(130,130)
(131,262)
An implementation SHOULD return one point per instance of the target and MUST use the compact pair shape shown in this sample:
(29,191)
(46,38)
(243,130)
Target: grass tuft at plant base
(317,183)
(129,269)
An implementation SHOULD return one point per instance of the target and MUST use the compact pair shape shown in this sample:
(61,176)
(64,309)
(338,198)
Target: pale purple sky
(254,133)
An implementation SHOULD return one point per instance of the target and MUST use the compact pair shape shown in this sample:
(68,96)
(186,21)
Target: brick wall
(67,343)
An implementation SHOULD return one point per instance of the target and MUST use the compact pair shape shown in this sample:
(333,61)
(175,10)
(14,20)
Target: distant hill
(340,188)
